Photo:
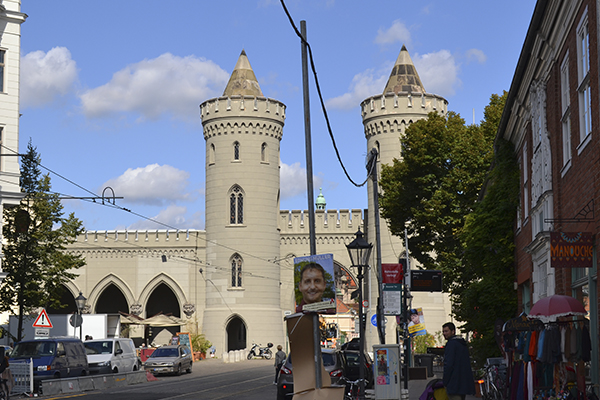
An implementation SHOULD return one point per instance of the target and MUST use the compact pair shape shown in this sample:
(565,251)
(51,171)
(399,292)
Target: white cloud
(152,185)
(476,55)
(438,72)
(364,84)
(397,33)
(173,216)
(293,180)
(44,76)
(167,84)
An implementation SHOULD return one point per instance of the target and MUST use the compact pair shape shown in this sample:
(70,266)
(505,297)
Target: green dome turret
(321,203)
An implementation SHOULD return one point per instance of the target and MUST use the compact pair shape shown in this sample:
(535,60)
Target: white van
(111,355)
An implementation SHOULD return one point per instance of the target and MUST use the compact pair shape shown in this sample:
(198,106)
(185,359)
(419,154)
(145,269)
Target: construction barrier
(95,382)
(22,373)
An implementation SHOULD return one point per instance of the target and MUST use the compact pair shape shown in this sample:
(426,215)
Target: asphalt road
(210,380)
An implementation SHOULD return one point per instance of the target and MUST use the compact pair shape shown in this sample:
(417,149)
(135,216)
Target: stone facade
(11,19)
(234,281)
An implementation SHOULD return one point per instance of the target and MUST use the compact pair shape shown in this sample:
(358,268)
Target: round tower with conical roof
(242,130)
(385,118)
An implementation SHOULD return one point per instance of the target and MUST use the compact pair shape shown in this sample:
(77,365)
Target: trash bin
(425,360)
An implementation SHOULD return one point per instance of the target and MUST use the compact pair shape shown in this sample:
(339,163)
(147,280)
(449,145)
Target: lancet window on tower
(236,206)
(263,153)
(211,154)
(236,150)
(236,271)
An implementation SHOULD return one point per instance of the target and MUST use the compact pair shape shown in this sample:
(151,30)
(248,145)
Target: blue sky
(110,91)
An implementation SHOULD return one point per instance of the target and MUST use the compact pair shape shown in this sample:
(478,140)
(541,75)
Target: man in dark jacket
(458,377)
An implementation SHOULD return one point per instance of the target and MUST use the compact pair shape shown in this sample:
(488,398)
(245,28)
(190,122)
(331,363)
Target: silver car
(170,360)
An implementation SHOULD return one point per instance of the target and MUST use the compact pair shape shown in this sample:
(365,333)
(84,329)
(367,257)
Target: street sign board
(42,320)
(425,280)
(392,299)
(42,333)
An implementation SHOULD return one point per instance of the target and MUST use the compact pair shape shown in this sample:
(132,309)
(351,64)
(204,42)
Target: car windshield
(104,347)
(328,359)
(352,359)
(162,352)
(34,349)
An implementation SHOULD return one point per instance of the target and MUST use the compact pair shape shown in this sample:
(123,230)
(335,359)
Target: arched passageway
(111,301)
(236,334)
(162,300)
(66,299)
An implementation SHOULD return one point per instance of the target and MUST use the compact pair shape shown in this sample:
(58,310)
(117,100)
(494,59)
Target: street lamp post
(360,251)
(80,302)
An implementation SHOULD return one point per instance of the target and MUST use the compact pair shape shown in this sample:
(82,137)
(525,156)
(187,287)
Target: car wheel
(115,370)
(178,370)
(189,370)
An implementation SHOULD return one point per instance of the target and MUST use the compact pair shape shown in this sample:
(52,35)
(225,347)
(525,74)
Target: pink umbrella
(552,307)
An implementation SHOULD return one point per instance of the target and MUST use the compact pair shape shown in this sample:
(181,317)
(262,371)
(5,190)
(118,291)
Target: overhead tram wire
(312,66)
(118,207)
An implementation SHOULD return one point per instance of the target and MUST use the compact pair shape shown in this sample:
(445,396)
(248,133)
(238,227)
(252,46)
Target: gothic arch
(159,279)
(110,279)
(236,332)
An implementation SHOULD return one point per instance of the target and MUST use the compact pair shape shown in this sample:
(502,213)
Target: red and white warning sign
(42,321)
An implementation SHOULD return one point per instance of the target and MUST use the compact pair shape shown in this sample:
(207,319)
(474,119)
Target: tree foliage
(486,291)
(433,192)
(434,186)
(36,234)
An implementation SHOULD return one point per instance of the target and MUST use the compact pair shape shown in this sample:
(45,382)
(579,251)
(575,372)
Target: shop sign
(571,249)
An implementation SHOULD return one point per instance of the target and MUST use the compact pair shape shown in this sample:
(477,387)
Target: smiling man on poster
(315,286)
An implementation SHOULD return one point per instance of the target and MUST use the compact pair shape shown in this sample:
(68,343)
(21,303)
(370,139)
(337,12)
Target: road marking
(220,387)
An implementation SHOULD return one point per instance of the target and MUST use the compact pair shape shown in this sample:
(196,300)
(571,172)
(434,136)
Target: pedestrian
(279,360)
(458,377)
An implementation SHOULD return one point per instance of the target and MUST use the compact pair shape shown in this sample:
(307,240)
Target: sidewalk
(416,387)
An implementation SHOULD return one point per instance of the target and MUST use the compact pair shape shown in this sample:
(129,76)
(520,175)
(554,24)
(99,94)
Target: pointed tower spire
(243,82)
(404,76)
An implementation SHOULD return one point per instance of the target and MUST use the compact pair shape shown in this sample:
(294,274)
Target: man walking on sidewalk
(458,377)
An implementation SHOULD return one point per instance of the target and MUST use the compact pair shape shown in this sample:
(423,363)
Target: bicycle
(492,385)
(352,388)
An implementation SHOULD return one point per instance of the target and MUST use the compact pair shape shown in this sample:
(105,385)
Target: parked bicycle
(352,388)
(492,384)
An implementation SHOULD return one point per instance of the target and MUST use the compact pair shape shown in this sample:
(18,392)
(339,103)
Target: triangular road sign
(42,321)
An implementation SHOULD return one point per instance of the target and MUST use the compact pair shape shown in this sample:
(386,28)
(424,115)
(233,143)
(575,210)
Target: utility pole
(311,202)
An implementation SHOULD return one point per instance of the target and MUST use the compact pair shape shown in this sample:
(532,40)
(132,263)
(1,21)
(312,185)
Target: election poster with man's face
(314,284)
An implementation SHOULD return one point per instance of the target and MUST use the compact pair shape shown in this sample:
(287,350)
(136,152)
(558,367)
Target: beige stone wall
(252,122)
(133,262)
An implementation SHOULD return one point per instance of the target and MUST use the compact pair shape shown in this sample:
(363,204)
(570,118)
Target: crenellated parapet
(392,112)
(242,114)
(114,244)
(157,237)
(296,222)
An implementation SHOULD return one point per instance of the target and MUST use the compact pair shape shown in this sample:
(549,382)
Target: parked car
(170,360)
(111,355)
(55,357)
(350,362)
(285,381)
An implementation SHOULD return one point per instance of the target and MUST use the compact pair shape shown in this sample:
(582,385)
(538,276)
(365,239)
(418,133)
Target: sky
(110,90)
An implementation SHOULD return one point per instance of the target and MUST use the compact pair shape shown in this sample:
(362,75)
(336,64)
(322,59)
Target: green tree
(431,190)
(36,234)
(434,192)
(486,291)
